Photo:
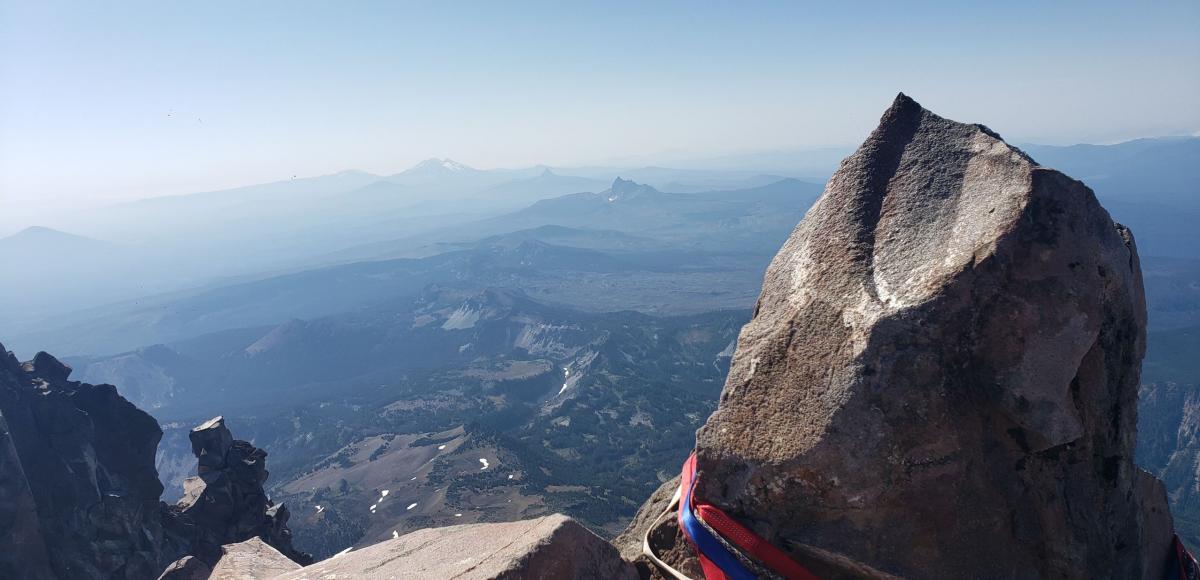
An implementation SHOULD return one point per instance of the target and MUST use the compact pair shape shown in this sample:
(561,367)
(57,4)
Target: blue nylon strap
(707,544)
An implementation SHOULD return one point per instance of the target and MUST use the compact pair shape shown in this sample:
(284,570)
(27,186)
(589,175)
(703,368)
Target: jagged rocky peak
(226,499)
(46,367)
(940,377)
(627,189)
(620,185)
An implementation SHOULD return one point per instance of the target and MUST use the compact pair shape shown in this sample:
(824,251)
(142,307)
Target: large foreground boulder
(553,547)
(940,377)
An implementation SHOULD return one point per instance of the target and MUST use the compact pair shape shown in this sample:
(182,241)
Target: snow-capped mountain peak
(440,165)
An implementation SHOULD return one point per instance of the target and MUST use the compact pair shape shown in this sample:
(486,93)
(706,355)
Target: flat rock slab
(554,546)
(187,568)
(251,560)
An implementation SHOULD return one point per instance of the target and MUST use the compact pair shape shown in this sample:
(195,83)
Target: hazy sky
(112,100)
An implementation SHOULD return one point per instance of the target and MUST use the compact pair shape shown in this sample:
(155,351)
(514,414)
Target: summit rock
(940,377)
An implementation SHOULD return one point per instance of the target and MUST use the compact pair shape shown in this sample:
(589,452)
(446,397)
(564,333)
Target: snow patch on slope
(463,318)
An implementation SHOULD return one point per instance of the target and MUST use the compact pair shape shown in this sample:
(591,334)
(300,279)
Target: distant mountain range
(184,242)
(50,266)
(628,247)
(158,251)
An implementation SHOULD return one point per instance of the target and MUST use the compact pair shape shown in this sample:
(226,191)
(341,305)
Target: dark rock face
(225,503)
(210,443)
(940,378)
(82,458)
(24,553)
(79,495)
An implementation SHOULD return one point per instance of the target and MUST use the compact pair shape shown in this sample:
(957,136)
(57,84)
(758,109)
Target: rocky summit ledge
(554,546)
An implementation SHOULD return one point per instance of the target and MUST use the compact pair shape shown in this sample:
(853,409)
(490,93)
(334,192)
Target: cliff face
(24,555)
(78,477)
(940,378)
(79,495)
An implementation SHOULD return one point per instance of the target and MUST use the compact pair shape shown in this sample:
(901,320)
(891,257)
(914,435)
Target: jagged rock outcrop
(549,547)
(940,377)
(79,495)
(81,458)
(225,503)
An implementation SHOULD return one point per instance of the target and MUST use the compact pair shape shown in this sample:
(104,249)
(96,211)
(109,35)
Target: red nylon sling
(735,533)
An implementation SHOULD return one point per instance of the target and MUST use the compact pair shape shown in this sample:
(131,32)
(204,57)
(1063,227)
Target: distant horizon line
(685,162)
(617,166)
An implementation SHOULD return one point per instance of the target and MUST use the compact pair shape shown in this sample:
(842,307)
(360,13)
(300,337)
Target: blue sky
(105,101)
